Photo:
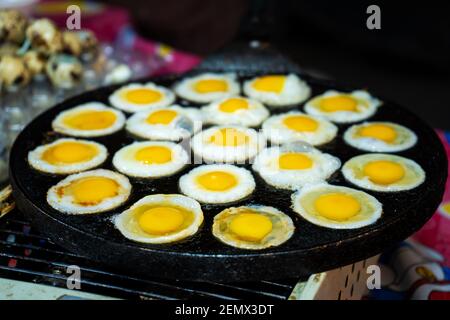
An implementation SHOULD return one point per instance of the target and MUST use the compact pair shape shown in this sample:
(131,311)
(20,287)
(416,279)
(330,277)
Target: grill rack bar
(28,256)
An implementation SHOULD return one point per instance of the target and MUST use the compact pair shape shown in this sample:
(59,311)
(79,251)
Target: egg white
(210,152)
(278,133)
(405,138)
(118,101)
(35,158)
(353,172)
(66,203)
(371,208)
(251,117)
(185,90)
(125,162)
(245,184)
(129,227)
(174,131)
(266,164)
(295,91)
(282,230)
(59,126)
(367,106)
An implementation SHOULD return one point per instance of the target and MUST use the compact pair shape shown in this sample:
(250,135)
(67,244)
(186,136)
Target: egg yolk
(161,220)
(229,137)
(337,206)
(384,172)
(233,105)
(217,181)
(142,96)
(154,155)
(378,131)
(338,103)
(270,83)
(294,161)
(251,226)
(162,117)
(301,123)
(93,190)
(69,152)
(90,120)
(211,85)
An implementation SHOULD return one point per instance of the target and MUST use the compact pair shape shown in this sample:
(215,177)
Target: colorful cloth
(419,268)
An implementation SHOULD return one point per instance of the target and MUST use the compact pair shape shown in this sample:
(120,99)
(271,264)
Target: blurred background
(408,60)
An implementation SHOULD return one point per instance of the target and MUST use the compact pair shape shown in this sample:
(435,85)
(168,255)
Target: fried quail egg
(207,87)
(236,111)
(227,144)
(383,172)
(380,137)
(336,207)
(291,166)
(140,97)
(170,123)
(89,192)
(343,107)
(217,183)
(160,218)
(252,227)
(91,119)
(67,156)
(297,126)
(277,90)
(150,159)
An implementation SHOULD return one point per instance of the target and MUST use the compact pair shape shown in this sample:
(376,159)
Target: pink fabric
(176,61)
(436,232)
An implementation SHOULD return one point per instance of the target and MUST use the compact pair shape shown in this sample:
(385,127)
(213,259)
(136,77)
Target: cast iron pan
(312,249)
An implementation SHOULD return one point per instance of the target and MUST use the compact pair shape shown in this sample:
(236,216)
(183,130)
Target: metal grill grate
(28,256)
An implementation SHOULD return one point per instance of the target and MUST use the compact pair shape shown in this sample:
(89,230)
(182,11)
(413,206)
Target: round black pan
(312,249)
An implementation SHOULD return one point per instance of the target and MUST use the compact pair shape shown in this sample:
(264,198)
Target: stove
(32,266)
